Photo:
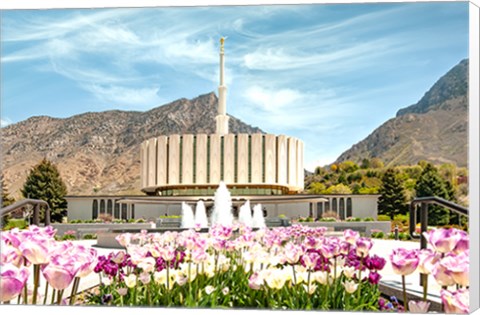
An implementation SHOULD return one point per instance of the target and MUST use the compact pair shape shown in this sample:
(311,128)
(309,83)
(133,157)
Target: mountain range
(435,129)
(99,153)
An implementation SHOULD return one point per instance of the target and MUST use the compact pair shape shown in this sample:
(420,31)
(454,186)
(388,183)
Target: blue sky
(328,74)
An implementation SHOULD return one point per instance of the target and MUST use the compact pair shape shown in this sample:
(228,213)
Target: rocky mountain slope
(434,129)
(99,153)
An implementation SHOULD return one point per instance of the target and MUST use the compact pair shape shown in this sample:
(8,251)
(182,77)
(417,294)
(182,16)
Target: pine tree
(431,184)
(392,195)
(6,198)
(44,182)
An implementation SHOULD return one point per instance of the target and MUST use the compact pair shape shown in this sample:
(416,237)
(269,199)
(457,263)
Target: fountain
(187,216)
(258,219)
(201,215)
(245,214)
(222,207)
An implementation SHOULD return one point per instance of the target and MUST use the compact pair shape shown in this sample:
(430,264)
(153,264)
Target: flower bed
(294,267)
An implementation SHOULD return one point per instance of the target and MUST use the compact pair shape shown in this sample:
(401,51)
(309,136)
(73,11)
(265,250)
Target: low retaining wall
(362,227)
(94,228)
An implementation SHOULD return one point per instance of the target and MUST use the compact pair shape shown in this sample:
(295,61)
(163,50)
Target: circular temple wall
(256,164)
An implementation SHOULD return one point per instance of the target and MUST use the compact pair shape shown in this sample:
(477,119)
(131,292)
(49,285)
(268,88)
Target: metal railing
(37,203)
(424,202)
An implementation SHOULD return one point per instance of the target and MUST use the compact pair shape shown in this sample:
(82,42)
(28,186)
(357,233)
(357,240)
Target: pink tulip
(124,239)
(364,245)
(167,253)
(86,260)
(457,267)
(456,302)
(36,250)
(292,253)
(418,306)
(427,259)
(443,240)
(463,244)
(442,275)
(351,236)
(60,272)
(404,262)
(310,259)
(12,281)
(255,281)
(10,255)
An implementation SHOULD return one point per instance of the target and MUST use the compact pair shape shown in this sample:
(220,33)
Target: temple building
(265,169)
(250,164)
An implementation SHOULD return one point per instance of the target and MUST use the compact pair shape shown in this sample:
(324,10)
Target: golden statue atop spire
(222,43)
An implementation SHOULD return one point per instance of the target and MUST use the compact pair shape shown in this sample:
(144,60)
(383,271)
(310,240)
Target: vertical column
(144,164)
(292,162)
(187,159)
(242,158)
(152,159)
(228,158)
(173,159)
(201,159)
(162,160)
(257,158)
(214,159)
(282,160)
(270,159)
(300,170)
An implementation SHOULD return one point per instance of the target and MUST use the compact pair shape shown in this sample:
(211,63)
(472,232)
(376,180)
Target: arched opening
(94,209)
(342,208)
(117,211)
(349,207)
(102,206)
(319,210)
(124,211)
(110,207)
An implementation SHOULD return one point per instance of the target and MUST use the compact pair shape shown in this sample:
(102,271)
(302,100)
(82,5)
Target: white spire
(222,118)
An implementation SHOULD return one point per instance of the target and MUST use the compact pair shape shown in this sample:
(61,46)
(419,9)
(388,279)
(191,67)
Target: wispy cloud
(5,121)
(141,98)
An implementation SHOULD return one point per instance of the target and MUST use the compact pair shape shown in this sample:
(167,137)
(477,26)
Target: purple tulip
(364,245)
(456,302)
(374,277)
(443,240)
(375,262)
(12,281)
(404,262)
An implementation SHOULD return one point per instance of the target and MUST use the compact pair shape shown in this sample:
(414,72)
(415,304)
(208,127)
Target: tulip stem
(25,294)
(53,296)
(59,297)
(294,275)
(405,302)
(425,286)
(36,278)
(46,293)
(73,294)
